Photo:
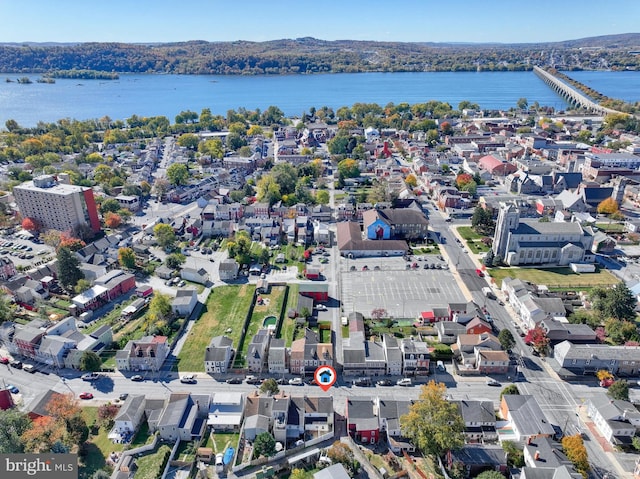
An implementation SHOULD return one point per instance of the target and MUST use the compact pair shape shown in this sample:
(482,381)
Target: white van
(440,366)
(404,382)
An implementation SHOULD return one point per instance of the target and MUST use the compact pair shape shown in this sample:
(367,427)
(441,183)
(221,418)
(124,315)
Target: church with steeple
(532,242)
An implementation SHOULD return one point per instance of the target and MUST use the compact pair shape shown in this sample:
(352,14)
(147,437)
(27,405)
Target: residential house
(491,362)
(334,471)
(128,419)
(184,417)
(392,354)
(39,407)
(415,357)
(525,418)
(257,416)
(7,268)
(363,357)
(318,291)
(184,303)
(308,353)
(476,458)
(479,420)
(228,269)
(544,452)
(226,411)
(218,355)
(146,354)
(362,423)
(257,351)
(389,413)
(617,420)
(558,331)
(468,345)
(448,331)
(582,359)
(318,413)
(478,326)
(200,276)
(278,357)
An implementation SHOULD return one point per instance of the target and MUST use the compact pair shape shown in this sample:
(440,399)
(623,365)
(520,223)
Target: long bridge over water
(570,94)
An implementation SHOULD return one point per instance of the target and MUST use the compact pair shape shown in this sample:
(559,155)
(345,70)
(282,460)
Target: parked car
(236,380)
(385,382)
(362,382)
(252,380)
(90,376)
(137,378)
(296,382)
(123,396)
(4,360)
(16,364)
(320,307)
(404,382)
(282,381)
(492,382)
(12,389)
(188,379)
(479,273)
(86,396)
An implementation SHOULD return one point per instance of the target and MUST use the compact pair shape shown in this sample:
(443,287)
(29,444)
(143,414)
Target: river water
(150,95)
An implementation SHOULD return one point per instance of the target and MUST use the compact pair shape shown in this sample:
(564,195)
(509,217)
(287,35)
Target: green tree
(165,236)
(490,475)
(433,424)
(188,140)
(522,103)
(264,445)
(6,310)
(482,221)
(268,190)
(269,387)
(13,424)
(620,331)
(178,174)
(617,302)
(109,205)
(286,176)
(68,268)
(175,260)
(235,141)
(489,259)
(515,455)
(348,168)
(510,389)
(159,307)
(81,286)
(506,339)
(90,361)
(619,390)
(322,197)
(127,258)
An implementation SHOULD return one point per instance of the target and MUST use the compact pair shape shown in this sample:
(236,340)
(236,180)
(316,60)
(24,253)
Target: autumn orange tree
(573,447)
(411,181)
(29,224)
(112,220)
(608,207)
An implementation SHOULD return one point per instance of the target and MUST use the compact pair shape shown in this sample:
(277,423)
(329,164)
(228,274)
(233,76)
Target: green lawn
(98,447)
(611,227)
(186,451)
(152,465)
(288,324)
(345,332)
(468,234)
(555,277)
(272,307)
(226,308)
(220,441)
(477,247)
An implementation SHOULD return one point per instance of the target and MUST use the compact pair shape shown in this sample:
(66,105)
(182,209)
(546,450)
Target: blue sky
(258,20)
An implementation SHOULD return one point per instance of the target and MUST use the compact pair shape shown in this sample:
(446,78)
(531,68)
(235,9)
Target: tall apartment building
(56,205)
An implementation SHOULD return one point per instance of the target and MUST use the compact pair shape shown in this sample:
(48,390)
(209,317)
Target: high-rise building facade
(57,206)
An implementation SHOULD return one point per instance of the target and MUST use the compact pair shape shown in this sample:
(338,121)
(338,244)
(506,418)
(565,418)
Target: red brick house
(318,291)
(478,326)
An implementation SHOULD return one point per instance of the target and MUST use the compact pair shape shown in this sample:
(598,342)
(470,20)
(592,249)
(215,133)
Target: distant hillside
(310,55)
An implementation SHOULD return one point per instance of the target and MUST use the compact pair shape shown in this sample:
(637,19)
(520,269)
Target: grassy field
(477,247)
(151,465)
(555,277)
(288,324)
(226,308)
(271,307)
(473,240)
(345,332)
(220,441)
(98,447)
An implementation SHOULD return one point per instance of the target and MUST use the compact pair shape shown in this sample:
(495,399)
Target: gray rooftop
(527,415)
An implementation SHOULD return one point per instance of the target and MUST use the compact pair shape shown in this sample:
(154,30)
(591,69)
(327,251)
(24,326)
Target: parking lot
(24,252)
(403,293)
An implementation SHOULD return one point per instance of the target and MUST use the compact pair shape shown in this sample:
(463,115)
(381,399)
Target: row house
(393,354)
(278,360)
(362,357)
(467,347)
(182,417)
(7,268)
(526,421)
(415,357)
(617,420)
(308,353)
(257,352)
(479,419)
(145,354)
(389,413)
(218,355)
(582,359)
(362,423)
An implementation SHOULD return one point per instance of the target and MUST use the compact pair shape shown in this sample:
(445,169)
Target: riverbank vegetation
(310,55)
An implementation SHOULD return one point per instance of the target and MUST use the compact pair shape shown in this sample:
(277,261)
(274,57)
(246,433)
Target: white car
(404,382)
(188,379)
(296,382)
(320,307)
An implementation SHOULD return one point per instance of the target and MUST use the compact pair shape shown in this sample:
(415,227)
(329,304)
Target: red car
(4,360)
(480,273)
(86,396)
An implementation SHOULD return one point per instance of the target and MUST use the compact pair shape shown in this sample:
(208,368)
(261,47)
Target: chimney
(536,456)
(529,440)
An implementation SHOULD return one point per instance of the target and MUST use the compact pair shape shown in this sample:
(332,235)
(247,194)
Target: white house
(616,420)
(200,276)
(128,419)
(184,302)
(218,354)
